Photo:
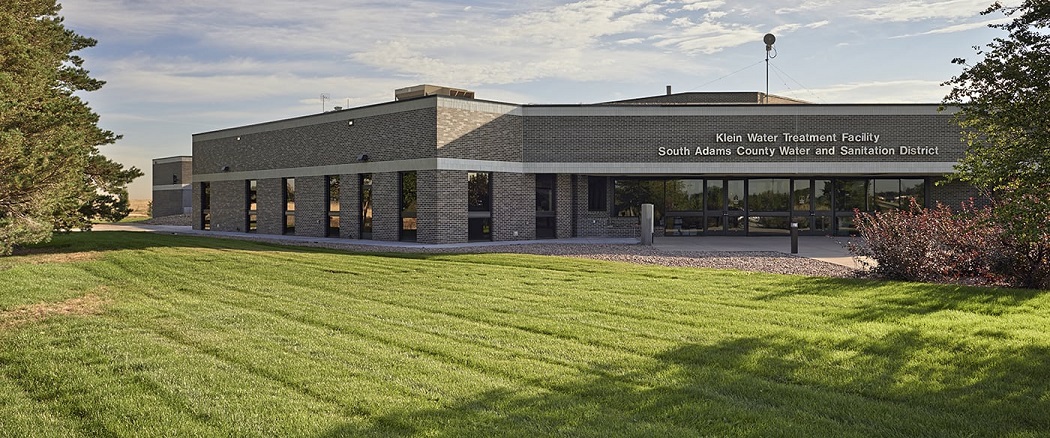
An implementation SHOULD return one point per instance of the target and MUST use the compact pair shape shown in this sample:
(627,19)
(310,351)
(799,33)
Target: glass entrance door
(726,207)
(811,206)
(769,206)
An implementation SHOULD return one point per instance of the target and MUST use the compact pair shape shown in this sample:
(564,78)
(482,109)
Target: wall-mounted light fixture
(350,122)
(225,168)
(362,157)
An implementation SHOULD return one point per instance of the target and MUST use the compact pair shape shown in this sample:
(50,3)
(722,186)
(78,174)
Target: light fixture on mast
(769,39)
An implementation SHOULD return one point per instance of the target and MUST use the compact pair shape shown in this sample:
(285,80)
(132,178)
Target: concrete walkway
(828,249)
(825,248)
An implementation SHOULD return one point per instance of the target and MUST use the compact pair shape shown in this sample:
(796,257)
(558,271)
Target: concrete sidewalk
(825,248)
(828,249)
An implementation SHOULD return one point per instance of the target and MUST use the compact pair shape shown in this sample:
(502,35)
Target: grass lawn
(135,334)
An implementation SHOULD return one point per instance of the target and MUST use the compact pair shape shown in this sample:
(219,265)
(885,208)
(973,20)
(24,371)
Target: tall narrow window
(289,206)
(252,201)
(479,206)
(366,205)
(408,206)
(913,189)
(545,214)
(597,193)
(205,206)
(333,205)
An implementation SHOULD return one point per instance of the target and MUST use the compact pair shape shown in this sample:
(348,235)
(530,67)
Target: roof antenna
(326,96)
(769,39)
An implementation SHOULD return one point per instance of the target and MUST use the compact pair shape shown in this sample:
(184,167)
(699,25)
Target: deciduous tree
(1005,112)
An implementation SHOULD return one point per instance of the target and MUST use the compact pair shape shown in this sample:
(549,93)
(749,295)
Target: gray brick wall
(182,170)
(168,198)
(270,208)
(350,206)
(227,206)
(171,202)
(386,137)
(386,222)
(311,211)
(478,135)
(596,223)
(563,205)
(953,194)
(442,206)
(638,138)
(196,203)
(513,206)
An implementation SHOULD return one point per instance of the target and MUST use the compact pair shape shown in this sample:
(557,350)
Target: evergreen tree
(51,172)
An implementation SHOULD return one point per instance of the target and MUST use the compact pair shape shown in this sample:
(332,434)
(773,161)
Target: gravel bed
(766,261)
(753,261)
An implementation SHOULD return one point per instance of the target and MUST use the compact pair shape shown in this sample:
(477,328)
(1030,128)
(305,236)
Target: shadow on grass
(892,300)
(782,386)
(103,241)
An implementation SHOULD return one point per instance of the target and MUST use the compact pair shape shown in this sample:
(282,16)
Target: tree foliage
(1004,105)
(1005,111)
(51,172)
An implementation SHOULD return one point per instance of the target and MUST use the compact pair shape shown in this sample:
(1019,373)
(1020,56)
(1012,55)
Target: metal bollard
(647,224)
(794,237)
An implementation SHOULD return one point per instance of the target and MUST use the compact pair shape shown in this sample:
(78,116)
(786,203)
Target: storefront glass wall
(762,206)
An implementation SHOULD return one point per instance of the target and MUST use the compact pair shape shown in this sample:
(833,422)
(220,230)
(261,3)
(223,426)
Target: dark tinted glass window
(597,193)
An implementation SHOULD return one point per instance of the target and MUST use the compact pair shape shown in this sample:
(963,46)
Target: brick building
(438,166)
(172,191)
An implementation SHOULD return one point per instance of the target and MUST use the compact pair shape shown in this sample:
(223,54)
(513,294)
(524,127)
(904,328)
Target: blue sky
(175,68)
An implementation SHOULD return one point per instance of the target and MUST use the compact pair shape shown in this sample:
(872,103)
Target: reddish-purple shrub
(934,245)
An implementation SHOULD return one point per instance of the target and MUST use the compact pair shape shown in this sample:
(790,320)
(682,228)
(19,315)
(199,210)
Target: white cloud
(706,37)
(701,5)
(922,10)
(899,91)
(958,28)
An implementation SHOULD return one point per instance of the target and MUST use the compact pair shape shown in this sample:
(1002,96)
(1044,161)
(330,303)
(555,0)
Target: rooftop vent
(430,90)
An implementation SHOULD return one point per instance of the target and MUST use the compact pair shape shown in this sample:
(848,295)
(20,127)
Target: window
(822,195)
(597,193)
(886,194)
(685,195)
(544,193)
(802,196)
(252,209)
(913,189)
(408,206)
(630,194)
(715,195)
(332,195)
(479,192)
(768,194)
(365,196)
(852,194)
(205,218)
(288,193)
(479,206)
(545,205)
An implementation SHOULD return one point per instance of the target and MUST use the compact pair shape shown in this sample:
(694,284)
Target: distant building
(438,166)
(172,186)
